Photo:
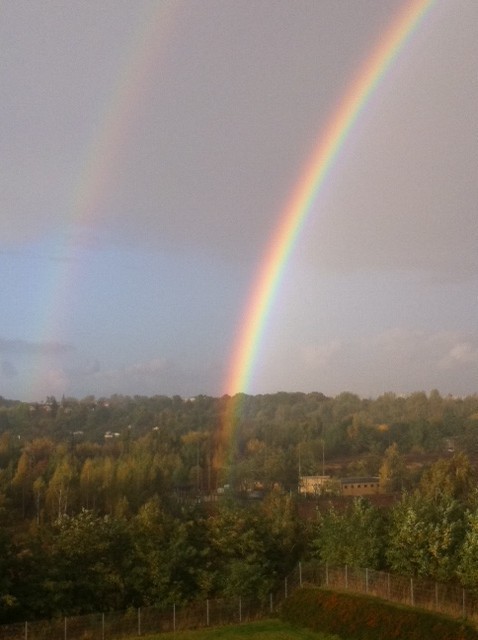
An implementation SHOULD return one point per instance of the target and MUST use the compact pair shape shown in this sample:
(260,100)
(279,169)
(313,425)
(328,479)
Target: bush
(364,618)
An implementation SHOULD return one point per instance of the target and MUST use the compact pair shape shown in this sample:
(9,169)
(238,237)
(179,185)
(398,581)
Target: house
(315,485)
(360,486)
(110,434)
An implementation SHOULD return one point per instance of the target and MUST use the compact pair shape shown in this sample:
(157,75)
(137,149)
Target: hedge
(365,618)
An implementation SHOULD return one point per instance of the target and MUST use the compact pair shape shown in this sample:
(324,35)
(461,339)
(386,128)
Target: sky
(148,151)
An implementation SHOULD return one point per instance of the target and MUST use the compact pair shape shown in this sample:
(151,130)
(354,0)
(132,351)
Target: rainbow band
(98,173)
(285,237)
(292,221)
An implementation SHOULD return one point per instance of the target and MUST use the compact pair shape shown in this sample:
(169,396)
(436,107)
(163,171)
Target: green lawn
(262,630)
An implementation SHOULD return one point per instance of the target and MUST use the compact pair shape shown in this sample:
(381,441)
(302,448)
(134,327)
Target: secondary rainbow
(306,192)
(103,156)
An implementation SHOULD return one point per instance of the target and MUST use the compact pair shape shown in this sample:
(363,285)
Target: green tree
(170,553)
(425,536)
(467,569)
(285,541)
(354,537)
(454,477)
(9,604)
(90,559)
(59,489)
(39,492)
(33,463)
(392,472)
(238,539)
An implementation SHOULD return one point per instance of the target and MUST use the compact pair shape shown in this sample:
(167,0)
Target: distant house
(354,486)
(360,486)
(315,485)
(110,434)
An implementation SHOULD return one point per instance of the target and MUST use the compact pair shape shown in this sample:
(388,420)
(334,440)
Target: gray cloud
(179,160)
(397,359)
(230,120)
(86,369)
(149,377)
(24,347)
(461,353)
(8,369)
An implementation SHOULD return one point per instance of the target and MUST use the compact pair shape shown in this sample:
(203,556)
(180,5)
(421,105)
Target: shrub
(365,618)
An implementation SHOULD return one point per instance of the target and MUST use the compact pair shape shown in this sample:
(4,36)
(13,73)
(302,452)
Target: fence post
(373,582)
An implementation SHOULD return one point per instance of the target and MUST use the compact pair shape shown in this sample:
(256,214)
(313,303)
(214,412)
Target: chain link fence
(143,621)
(439,597)
(446,598)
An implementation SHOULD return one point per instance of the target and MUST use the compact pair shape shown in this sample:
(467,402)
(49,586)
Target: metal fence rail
(441,598)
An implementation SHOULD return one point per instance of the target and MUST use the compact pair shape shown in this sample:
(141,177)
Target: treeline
(162,555)
(430,532)
(131,448)
(286,425)
(109,503)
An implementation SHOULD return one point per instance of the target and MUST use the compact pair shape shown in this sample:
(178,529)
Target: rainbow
(103,154)
(324,156)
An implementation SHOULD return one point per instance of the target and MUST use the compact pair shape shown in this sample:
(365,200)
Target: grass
(262,630)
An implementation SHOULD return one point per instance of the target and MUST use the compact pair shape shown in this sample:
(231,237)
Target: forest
(126,501)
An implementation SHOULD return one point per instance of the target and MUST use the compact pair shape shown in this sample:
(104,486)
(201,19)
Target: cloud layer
(148,154)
